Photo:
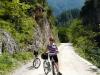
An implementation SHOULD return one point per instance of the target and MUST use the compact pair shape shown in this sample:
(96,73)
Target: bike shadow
(30,68)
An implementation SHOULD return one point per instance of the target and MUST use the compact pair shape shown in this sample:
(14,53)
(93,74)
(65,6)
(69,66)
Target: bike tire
(46,66)
(36,63)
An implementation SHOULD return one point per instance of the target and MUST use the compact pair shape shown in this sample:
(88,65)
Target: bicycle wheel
(46,66)
(36,63)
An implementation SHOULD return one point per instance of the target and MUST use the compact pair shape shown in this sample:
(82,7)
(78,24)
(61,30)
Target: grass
(9,62)
(23,56)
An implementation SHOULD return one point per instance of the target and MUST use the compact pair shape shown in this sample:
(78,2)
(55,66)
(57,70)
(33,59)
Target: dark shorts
(54,57)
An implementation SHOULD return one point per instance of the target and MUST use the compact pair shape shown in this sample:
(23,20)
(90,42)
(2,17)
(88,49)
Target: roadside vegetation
(10,62)
(82,31)
(16,20)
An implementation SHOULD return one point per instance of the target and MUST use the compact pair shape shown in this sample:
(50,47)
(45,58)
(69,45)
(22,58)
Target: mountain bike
(49,65)
(36,62)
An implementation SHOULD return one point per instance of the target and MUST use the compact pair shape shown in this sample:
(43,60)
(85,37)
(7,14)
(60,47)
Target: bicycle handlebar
(52,53)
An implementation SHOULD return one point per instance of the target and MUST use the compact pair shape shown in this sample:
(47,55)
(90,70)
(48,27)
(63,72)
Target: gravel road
(70,64)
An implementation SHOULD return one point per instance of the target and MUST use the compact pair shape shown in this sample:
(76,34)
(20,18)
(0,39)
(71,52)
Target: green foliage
(89,14)
(49,11)
(22,32)
(92,31)
(7,63)
(52,21)
(62,34)
(75,30)
(83,40)
(25,28)
(54,31)
(2,11)
(66,16)
(15,19)
(6,26)
(23,56)
(42,2)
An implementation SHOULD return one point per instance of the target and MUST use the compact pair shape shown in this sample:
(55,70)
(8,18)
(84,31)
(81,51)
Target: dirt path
(70,64)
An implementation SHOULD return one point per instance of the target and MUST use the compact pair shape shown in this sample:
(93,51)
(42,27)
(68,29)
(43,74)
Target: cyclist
(52,48)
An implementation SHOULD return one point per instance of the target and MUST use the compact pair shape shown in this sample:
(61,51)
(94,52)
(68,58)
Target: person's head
(51,40)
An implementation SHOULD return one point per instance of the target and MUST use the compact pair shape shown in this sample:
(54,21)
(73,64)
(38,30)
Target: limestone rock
(7,42)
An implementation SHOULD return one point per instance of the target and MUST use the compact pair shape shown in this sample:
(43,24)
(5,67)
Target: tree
(67,15)
(90,13)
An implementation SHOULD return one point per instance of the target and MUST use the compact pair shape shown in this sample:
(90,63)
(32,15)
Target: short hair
(51,39)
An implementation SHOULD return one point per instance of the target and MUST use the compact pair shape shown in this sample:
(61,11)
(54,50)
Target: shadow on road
(94,69)
(30,68)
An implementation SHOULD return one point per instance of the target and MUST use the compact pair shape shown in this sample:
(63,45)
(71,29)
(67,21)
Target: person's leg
(56,64)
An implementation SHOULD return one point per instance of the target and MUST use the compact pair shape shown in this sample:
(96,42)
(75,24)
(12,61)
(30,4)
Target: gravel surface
(70,64)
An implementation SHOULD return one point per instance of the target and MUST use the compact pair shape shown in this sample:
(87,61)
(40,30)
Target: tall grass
(9,62)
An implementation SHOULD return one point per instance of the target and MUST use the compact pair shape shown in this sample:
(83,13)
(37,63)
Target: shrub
(7,63)
(83,40)
(23,56)
(62,34)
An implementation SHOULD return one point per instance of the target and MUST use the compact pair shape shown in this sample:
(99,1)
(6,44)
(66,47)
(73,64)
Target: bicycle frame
(50,64)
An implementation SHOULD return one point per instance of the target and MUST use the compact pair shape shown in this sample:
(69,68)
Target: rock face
(7,43)
(42,32)
(41,35)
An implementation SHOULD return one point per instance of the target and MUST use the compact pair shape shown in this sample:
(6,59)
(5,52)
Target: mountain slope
(60,5)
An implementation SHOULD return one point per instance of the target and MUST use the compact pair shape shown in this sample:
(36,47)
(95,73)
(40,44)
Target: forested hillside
(60,5)
(83,30)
